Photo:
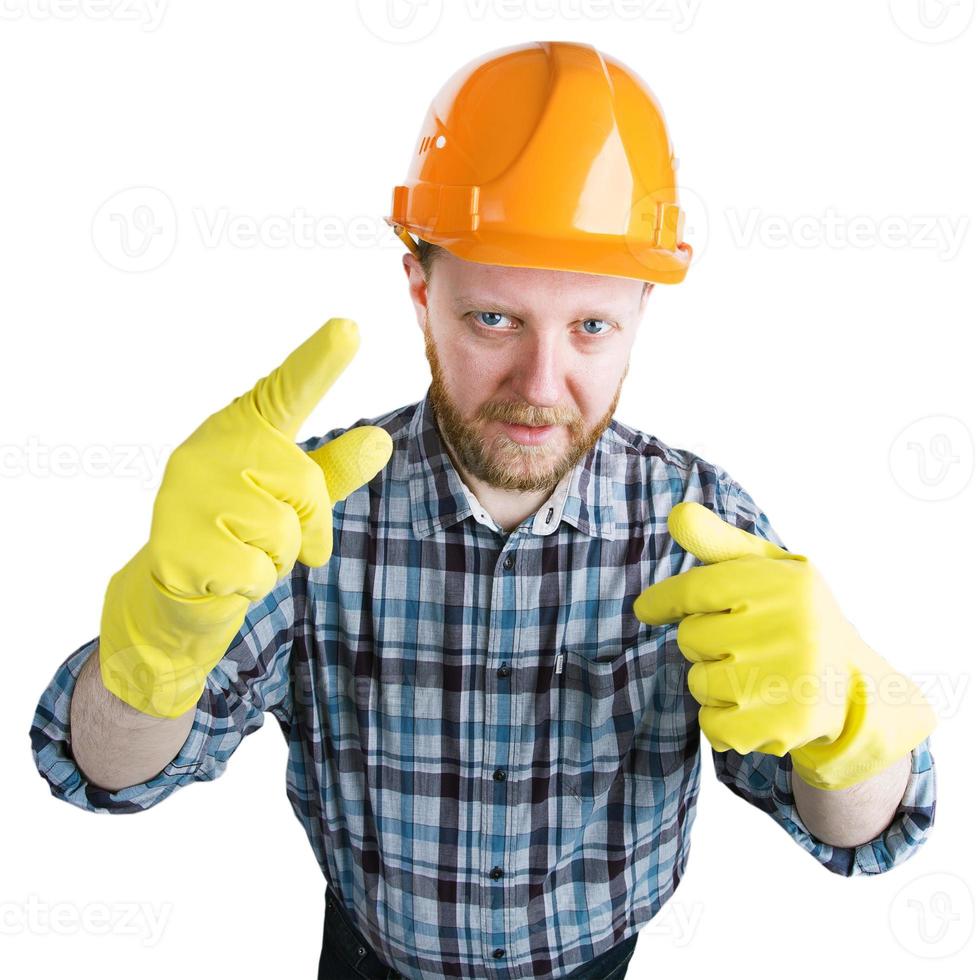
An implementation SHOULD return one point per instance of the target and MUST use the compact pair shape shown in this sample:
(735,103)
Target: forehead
(476,284)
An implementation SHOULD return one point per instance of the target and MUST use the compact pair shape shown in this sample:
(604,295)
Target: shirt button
(500,775)
(503,671)
(509,562)
(498,954)
(497,873)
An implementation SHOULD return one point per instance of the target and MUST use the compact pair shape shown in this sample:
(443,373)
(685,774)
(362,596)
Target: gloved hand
(776,666)
(238,504)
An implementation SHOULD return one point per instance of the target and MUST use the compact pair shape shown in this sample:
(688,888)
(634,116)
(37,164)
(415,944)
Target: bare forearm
(852,816)
(114,744)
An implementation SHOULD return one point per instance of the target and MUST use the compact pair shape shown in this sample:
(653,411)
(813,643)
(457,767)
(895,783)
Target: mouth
(527,434)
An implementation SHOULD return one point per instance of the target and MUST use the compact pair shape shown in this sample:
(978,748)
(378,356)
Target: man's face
(531,347)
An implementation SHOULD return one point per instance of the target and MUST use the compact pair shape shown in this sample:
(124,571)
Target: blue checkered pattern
(488,751)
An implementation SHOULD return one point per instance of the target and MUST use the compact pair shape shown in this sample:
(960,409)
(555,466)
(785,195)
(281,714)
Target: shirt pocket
(604,694)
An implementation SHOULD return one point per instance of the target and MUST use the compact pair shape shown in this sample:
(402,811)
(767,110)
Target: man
(492,654)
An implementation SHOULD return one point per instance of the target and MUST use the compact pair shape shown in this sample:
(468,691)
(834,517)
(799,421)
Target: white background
(822,349)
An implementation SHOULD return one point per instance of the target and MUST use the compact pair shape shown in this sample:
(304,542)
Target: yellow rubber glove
(238,504)
(776,666)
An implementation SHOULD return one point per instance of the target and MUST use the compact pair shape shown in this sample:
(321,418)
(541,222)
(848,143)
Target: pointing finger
(287,395)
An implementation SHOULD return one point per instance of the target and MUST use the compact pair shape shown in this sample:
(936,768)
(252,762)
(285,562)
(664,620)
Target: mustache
(527,415)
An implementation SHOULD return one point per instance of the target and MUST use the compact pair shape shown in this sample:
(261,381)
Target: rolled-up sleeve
(765,780)
(253,677)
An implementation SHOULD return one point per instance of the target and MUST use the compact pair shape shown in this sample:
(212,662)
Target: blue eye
(595,320)
(499,317)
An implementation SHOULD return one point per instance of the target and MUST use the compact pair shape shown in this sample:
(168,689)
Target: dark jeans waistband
(346,955)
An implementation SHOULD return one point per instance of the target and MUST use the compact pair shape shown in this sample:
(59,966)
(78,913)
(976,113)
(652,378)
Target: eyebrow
(486,304)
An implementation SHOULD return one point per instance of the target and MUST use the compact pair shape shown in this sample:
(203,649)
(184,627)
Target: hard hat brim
(599,255)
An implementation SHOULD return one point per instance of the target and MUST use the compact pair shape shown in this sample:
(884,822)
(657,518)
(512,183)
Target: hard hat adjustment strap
(403,234)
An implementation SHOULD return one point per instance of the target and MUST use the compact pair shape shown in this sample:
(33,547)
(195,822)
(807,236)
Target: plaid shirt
(496,763)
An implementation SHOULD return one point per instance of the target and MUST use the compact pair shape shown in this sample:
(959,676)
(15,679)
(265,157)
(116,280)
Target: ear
(417,289)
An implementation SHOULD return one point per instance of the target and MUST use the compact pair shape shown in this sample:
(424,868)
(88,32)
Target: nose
(538,371)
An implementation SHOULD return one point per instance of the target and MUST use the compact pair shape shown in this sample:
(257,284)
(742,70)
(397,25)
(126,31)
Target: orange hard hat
(549,155)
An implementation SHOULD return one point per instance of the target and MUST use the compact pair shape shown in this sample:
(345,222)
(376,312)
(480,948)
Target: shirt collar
(584,498)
